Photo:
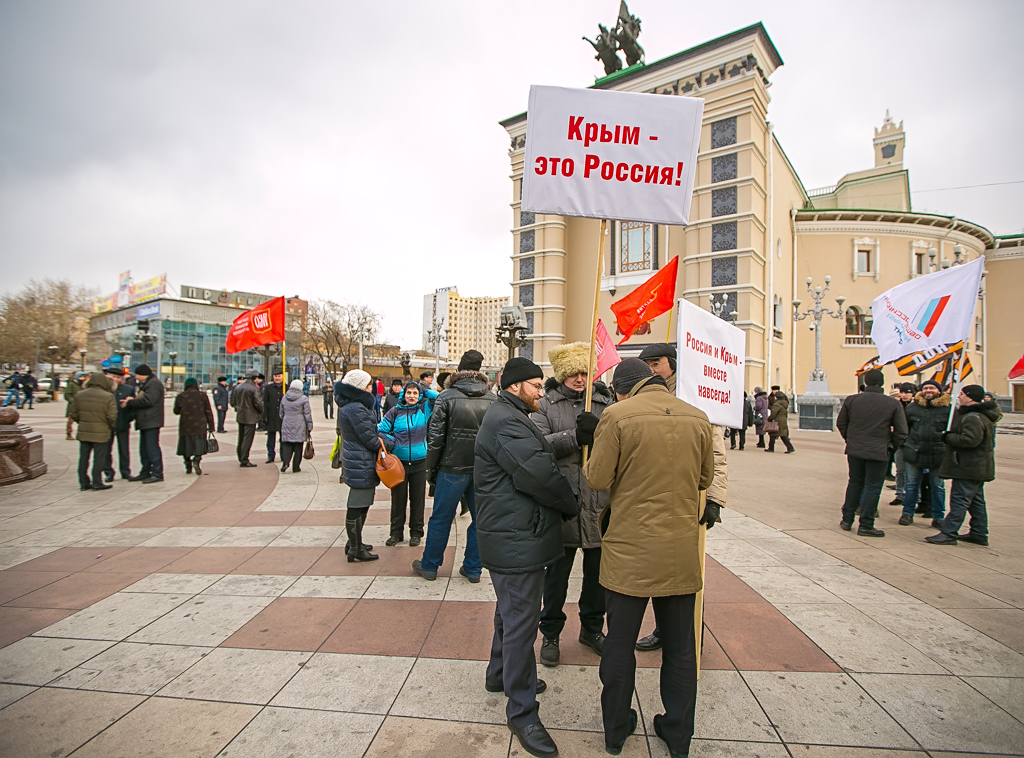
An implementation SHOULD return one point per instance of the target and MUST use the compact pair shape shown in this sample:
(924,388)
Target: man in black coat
(921,454)
(394,394)
(523,497)
(272,394)
(970,461)
(221,399)
(871,422)
(328,390)
(148,406)
(248,402)
(122,427)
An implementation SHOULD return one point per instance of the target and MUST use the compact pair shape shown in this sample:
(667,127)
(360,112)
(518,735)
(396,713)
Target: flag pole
(956,381)
(593,325)
(284,375)
(668,333)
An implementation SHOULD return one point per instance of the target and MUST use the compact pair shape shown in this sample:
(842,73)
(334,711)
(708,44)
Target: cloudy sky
(353,152)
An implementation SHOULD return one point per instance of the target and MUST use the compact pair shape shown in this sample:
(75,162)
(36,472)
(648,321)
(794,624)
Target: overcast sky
(353,152)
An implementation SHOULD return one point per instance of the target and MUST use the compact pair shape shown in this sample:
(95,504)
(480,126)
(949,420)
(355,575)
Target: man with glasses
(523,497)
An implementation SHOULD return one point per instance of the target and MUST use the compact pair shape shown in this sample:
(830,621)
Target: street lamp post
(718,306)
(82,352)
(817,406)
(512,330)
(53,370)
(172,355)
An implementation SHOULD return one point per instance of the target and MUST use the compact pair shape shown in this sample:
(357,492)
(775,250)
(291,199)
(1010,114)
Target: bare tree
(43,314)
(333,331)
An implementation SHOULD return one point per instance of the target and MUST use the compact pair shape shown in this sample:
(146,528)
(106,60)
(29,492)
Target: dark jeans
(124,455)
(28,400)
(966,496)
(866,481)
(513,662)
(914,476)
(246,433)
(328,405)
(150,457)
(272,444)
(742,434)
(785,441)
(414,492)
(556,587)
(678,666)
(98,450)
(449,490)
(221,415)
(291,451)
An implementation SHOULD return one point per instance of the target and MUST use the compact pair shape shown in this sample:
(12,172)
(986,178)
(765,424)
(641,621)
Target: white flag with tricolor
(926,311)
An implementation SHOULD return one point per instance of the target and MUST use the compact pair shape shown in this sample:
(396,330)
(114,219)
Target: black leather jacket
(458,413)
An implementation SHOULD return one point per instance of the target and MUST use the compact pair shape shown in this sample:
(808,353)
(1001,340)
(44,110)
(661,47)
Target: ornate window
(526,241)
(526,268)
(526,294)
(724,236)
(858,322)
(723,271)
(723,201)
(723,132)
(526,218)
(724,168)
(636,246)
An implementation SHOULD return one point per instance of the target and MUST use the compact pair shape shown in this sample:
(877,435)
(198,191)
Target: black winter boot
(348,545)
(354,528)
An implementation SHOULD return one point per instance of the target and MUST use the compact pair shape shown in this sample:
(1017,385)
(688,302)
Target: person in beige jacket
(662,360)
(655,453)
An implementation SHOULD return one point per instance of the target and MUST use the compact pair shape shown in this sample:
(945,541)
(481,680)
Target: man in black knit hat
(522,496)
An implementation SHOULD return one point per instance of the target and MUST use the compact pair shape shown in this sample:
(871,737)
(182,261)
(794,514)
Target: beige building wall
(1004,317)
(755,235)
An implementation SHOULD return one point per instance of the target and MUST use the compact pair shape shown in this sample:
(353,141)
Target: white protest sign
(709,366)
(614,155)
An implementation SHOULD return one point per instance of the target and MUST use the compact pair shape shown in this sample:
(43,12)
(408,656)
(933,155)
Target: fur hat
(357,378)
(569,360)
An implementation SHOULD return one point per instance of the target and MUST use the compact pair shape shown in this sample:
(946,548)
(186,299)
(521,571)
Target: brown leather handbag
(389,468)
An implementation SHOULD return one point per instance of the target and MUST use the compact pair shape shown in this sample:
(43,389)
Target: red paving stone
(407,624)
(269,518)
(14,584)
(141,559)
(16,623)
(463,631)
(290,561)
(757,637)
(211,560)
(69,559)
(79,590)
(292,623)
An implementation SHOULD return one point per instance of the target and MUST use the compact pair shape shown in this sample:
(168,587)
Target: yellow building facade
(755,235)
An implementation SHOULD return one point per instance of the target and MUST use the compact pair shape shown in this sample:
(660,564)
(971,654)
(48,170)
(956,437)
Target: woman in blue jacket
(406,426)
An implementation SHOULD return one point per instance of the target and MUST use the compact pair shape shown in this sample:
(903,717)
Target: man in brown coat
(95,411)
(656,455)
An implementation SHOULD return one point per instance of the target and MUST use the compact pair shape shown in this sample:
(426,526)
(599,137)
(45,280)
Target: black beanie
(908,387)
(975,392)
(472,360)
(143,370)
(628,373)
(874,378)
(519,370)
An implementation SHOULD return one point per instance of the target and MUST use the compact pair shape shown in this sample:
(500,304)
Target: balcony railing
(859,339)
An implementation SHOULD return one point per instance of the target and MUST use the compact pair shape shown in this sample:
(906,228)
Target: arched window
(858,323)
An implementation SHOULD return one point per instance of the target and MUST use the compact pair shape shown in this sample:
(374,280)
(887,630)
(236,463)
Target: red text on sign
(592,132)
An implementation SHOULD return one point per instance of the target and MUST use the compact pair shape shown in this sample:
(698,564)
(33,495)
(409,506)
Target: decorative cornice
(900,222)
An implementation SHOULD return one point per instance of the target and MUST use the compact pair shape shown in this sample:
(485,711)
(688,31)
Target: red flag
(262,325)
(650,299)
(607,355)
(1017,370)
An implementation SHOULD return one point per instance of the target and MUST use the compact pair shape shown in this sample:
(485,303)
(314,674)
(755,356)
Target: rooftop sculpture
(623,37)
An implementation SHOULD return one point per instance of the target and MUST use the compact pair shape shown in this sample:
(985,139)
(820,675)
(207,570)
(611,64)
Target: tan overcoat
(656,455)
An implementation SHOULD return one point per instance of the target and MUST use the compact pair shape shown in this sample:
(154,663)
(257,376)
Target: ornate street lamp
(82,352)
(172,355)
(818,294)
(513,327)
(53,370)
(717,306)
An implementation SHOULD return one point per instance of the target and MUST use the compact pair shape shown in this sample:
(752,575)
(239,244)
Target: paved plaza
(217,616)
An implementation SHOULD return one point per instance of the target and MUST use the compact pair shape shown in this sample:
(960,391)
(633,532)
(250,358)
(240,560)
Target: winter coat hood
(941,401)
(294,393)
(989,408)
(469,383)
(346,393)
(101,380)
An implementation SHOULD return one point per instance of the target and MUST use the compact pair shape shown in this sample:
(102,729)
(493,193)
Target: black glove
(944,435)
(711,512)
(586,423)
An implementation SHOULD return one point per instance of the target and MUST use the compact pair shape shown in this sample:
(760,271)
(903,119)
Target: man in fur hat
(662,360)
(557,418)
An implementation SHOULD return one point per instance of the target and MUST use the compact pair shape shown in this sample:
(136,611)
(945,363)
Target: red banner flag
(262,325)
(607,355)
(650,299)
(1017,370)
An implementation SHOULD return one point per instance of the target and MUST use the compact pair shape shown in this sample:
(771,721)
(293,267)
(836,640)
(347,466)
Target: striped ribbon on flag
(925,359)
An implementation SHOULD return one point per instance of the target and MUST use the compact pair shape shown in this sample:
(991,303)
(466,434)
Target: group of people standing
(929,445)
(285,414)
(18,384)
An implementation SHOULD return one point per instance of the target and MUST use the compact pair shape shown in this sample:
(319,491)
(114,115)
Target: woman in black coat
(360,446)
(195,420)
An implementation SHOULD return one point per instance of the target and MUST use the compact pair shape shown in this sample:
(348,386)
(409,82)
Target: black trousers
(246,434)
(98,451)
(221,415)
(414,492)
(152,460)
(513,663)
(328,405)
(678,666)
(272,435)
(556,587)
(866,481)
(785,441)
(291,451)
(124,455)
(741,433)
